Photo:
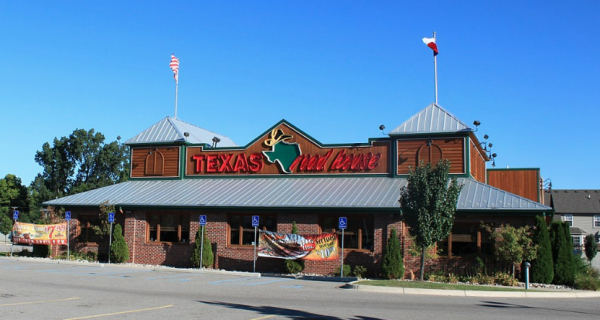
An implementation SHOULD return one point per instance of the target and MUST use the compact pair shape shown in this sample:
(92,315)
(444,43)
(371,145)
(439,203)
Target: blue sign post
(68,218)
(16,215)
(202,224)
(342,225)
(111,219)
(255,221)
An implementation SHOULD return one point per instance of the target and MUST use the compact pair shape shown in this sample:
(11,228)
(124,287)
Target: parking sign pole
(254,265)
(201,247)
(111,219)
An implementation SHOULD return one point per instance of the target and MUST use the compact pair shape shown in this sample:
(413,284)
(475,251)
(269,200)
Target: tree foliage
(294,266)
(542,267)
(80,162)
(428,204)
(12,194)
(207,253)
(512,245)
(562,253)
(393,263)
(591,248)
(119,251)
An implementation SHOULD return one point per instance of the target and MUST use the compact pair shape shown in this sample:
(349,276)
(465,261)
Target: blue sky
(335,69)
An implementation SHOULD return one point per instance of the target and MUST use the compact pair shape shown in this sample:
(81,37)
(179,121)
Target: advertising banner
(29,233)
(294,246)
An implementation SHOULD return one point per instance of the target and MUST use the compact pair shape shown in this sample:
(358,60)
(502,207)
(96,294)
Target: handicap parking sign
(202,220)
(343,223)
(111,217)
(68,215)
(16,215)
(255,220)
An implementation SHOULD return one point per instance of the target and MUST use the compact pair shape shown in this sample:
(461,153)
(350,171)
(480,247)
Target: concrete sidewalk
(477,293)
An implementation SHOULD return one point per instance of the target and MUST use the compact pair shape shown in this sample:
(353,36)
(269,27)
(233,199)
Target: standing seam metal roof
(170,130)
(432,119)
(318,192)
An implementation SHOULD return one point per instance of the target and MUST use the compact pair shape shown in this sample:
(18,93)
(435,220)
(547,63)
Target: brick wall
(238,258)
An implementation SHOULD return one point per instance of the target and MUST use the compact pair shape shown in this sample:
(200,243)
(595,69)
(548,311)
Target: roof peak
(432,119)
(169,130)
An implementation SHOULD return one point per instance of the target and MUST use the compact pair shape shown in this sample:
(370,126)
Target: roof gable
(432,119)
(170,130)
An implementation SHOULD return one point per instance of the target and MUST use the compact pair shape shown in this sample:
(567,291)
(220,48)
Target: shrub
(484,279)
(588,279)
(393,264)
(542,268)
(562,253)
(291,265)
(347,271)
(359,271)
(452,278)
(41,250)
(119,251)
(591,248)
(206,248)
(505,279)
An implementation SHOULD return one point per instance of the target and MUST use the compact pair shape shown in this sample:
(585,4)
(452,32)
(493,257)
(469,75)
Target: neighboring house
(580,209)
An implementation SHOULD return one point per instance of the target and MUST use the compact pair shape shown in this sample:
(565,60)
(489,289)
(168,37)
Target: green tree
(591,248)
(393,263)
(119,251)
(512,245)
(562,253)
(80,162)
(207,253)
(542,267)
(428,204)
(12,194)
(294,266)
(103,227)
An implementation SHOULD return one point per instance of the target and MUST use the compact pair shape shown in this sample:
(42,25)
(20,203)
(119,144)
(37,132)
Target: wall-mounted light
(215,140)
(186,135)
(476,123)
(381,127)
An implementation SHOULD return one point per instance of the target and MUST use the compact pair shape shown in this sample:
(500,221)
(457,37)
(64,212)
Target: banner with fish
(294,246)
(29,233)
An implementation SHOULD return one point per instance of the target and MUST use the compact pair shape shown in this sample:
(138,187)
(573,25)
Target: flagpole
(176,87)
(435,71)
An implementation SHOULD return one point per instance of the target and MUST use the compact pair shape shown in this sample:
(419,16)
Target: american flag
(175,67)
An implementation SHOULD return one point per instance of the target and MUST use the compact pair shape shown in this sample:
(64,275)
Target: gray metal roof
(318,192)
(575,201)
(172,130)
(480,196)
(432,119)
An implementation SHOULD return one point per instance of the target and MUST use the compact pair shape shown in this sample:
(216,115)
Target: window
(466,240)
(577,244)
(568,218)
(358,233)
(596,221)
(241,231)
(86,232)
(168,228)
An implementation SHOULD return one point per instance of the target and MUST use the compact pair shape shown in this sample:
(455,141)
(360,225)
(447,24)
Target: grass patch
(436,285)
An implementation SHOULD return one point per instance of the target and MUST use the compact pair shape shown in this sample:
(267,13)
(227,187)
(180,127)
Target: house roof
(170,130)
(317,192)
(432,119)
(574,201)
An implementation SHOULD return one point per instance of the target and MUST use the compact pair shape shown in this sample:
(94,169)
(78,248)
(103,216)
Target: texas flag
(430,42)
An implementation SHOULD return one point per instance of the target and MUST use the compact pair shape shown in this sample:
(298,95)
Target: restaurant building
(180,171)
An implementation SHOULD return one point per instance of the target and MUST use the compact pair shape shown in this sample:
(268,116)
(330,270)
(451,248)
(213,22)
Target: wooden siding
(522,182)
(155,162)
(452,149)
(309,150)
(477,164)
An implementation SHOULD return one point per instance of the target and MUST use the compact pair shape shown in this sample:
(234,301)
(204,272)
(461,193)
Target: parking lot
(46,289)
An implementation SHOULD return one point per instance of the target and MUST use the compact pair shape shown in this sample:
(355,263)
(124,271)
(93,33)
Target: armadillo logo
(283,153)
